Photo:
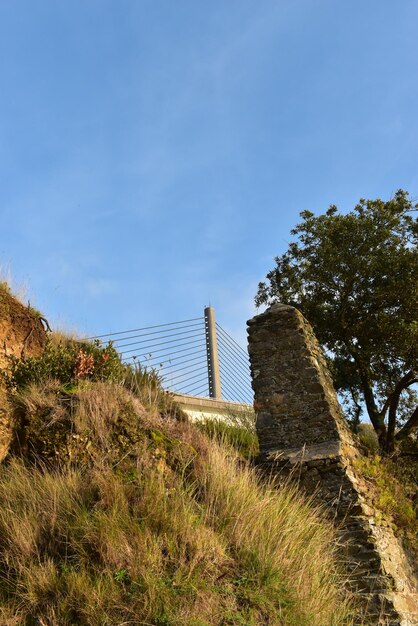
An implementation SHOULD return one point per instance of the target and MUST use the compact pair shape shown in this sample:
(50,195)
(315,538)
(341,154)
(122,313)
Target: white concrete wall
(205,408)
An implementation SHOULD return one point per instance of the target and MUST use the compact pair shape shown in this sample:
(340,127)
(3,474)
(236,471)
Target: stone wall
(303,433)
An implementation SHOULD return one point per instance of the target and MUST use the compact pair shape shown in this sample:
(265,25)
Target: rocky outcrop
(303,434)
(21,334)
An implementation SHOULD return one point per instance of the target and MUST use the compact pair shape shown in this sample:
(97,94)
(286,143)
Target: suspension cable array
(234,367)
(180,353)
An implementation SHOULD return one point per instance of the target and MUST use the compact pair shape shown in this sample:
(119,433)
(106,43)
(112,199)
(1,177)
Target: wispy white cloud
(99,287)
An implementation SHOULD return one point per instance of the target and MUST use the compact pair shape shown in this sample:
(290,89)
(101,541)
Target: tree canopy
(354,276)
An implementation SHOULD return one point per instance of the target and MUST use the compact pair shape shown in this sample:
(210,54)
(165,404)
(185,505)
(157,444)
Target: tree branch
(385,407)
(357,405)
(409,427)
(406,381)
(372,410)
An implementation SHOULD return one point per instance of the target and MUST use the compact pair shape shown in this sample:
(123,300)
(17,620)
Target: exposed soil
(21,330)
(21,334)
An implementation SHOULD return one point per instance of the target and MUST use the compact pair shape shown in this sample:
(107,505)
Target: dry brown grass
(9,284)
(128,517)
(280,532)
(63,336)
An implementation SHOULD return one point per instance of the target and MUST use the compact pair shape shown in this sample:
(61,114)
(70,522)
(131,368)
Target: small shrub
(68,362)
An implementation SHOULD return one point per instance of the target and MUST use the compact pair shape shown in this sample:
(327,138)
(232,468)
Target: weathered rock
(303,433)
(21,334)
(21,330)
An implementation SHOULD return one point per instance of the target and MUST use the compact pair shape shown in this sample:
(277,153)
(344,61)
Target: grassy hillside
(392,487)
(115,510)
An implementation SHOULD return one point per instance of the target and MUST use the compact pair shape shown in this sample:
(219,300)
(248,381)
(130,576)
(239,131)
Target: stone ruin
(303,434)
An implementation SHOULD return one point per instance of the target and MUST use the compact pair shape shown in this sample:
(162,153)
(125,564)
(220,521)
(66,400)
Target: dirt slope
(21,334)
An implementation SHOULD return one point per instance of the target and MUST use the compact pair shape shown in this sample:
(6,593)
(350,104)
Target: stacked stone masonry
(303,433)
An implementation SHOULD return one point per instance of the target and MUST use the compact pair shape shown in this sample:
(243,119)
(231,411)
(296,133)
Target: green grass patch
(393,493)
(242,437)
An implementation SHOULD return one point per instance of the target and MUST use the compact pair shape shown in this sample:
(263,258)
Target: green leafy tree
(355,278)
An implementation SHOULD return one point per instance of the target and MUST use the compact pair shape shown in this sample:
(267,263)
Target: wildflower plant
(68,362)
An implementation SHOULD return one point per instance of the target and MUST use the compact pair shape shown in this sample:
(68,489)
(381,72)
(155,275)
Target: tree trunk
(406,381)
(376,417)
(409,427)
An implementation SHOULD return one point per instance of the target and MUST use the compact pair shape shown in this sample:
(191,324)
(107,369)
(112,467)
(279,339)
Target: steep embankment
(114,510)
(21,333)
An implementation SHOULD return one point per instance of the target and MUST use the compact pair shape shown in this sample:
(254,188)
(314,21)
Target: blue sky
(154,154)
